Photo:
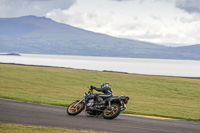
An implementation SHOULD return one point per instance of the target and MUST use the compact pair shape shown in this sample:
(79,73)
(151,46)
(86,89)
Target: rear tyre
(116,109)
(75,110)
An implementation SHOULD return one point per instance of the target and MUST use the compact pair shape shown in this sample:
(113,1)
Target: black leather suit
(107,92)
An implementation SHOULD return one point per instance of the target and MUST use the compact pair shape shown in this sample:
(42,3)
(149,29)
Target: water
(182,68)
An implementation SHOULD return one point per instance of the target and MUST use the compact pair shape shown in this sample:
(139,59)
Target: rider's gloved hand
(92,87)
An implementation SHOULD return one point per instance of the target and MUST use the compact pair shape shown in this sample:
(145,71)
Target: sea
(162,67)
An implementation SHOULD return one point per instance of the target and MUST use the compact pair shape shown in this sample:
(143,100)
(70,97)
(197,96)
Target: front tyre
(111,114)
(75,110)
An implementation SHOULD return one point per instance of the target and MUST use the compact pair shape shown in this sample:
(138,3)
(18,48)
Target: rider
(105,88)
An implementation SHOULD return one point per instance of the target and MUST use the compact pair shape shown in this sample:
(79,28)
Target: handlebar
(91,90)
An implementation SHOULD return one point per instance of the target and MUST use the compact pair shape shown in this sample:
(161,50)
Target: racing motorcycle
(109,108)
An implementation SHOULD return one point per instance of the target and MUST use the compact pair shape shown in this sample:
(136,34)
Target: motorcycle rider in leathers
(106,90)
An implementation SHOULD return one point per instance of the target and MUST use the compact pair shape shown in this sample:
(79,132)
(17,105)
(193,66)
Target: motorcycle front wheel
(71,110)
(111,114)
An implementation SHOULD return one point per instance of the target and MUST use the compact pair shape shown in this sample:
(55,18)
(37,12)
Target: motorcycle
(109,107)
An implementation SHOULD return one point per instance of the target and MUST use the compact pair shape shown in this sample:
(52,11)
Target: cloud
(122,0)
(16,8)
(190,6)
(152,21)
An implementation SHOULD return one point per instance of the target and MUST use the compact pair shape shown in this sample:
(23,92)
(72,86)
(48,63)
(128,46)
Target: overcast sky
(174,22)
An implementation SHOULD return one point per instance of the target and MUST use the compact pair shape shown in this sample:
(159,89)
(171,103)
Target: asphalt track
(54,116)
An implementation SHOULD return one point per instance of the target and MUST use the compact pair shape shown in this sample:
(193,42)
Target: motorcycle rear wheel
(75,110)
(112,114)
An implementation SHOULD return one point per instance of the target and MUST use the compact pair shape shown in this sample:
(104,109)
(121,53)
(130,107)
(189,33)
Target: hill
(31,34)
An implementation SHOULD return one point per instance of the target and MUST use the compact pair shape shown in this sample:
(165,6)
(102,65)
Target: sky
(166,22)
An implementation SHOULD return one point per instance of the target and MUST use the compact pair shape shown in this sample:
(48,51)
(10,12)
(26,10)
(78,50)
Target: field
(172,97)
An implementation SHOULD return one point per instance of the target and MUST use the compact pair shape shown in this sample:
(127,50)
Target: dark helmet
(105,85)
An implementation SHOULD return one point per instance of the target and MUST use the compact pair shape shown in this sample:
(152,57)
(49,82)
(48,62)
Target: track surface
(53,116)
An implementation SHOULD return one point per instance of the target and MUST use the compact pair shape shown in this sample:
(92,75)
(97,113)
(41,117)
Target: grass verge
(171,97)
(17,128)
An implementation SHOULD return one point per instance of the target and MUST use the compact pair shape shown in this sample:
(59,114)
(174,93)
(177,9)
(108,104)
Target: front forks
(78,102)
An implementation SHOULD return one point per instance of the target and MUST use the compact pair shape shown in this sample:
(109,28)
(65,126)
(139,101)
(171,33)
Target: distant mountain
(31,34)
(193,49)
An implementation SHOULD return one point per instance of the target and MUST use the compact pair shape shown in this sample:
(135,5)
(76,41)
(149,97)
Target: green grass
(16,128)
(172,97)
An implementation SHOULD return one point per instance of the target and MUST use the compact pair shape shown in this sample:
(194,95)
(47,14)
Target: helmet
(105,85)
